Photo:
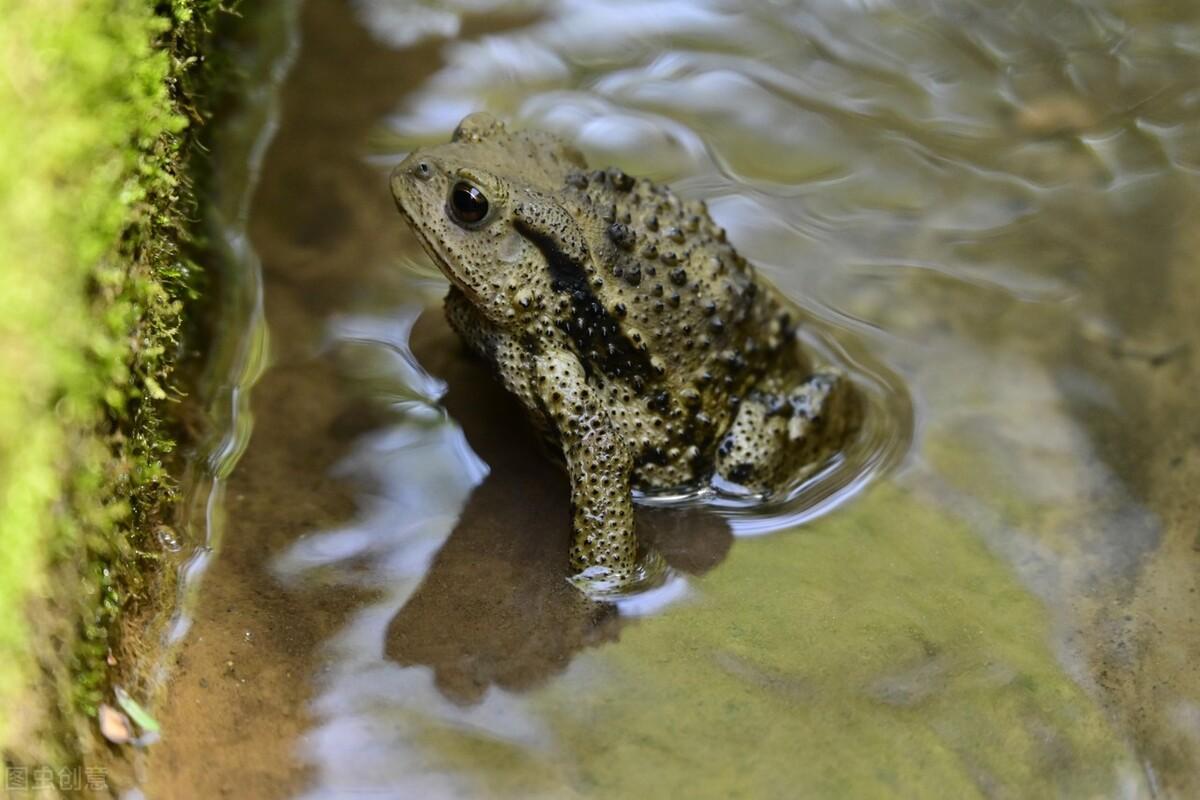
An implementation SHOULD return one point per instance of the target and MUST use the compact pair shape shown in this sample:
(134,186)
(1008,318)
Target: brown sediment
(321,222)
(1146,647)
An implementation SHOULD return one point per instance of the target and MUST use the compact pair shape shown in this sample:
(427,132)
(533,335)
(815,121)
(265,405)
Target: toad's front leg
(604,548)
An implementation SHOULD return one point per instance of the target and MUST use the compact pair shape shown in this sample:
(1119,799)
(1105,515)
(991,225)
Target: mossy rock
(99,119)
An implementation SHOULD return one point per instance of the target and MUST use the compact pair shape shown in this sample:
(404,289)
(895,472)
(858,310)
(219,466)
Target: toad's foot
(778,434)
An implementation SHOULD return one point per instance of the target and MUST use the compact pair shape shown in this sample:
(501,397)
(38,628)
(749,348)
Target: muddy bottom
(997,206)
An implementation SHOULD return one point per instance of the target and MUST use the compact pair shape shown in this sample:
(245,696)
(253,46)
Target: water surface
(995,202)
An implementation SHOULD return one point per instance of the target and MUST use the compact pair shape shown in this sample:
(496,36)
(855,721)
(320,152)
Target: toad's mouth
(439,260)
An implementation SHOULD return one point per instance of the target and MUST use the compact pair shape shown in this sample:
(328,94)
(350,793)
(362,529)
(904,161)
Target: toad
(645,348)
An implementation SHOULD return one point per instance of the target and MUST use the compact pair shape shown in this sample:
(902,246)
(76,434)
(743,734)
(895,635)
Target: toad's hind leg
(780,432)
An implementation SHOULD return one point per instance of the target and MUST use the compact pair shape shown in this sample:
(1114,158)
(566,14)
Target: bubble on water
(168,538)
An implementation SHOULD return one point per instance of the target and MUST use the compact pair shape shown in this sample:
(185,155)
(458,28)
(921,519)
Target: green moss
(97,117)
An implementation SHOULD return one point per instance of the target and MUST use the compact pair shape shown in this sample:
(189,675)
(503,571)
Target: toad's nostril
(422,170)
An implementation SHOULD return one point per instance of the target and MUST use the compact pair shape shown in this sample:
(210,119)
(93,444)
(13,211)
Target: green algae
(98,115)
(895,656)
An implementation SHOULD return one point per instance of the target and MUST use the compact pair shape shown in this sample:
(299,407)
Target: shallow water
(995,203)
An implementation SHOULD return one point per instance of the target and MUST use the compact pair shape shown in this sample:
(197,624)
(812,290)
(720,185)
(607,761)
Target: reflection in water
(494,607)
(482,596)
(994,199)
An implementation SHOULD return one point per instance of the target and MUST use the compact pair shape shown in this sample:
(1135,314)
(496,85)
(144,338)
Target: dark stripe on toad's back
(596,333)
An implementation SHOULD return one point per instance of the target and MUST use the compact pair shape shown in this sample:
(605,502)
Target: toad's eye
(467,204)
